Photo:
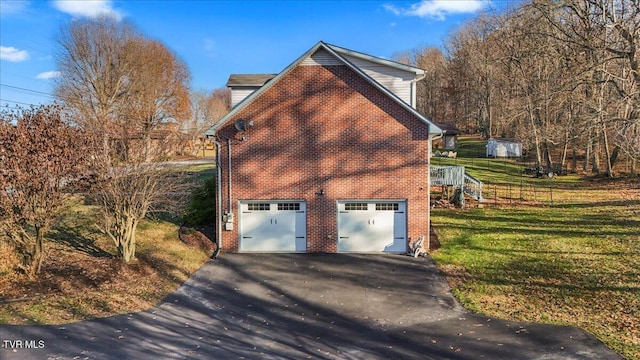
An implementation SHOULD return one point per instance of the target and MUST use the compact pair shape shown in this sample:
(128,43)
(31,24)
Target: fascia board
(378,60)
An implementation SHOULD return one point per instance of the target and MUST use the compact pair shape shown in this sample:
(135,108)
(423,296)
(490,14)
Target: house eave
(375,59)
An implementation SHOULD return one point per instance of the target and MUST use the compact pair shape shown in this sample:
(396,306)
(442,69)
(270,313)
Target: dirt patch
(455,275)
(434,243)
(200,237)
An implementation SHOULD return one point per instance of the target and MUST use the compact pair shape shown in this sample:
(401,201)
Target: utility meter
(228,221)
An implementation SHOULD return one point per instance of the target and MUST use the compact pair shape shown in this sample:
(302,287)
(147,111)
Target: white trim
(393,64)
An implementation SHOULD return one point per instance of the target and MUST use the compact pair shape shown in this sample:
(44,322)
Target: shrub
(201,209)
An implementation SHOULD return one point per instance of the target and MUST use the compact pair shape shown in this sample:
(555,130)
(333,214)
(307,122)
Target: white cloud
(48,75)
(88,8)
(12,54)
(392,9)
(439,9)
(13,7)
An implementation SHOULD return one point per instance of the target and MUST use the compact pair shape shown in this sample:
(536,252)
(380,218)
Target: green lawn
(576,262)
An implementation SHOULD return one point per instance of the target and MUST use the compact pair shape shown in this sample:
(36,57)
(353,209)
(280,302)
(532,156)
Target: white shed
(504,148)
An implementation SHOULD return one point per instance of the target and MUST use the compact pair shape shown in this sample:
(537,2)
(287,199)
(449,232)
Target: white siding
(395,80)
(239,94)
(321,57)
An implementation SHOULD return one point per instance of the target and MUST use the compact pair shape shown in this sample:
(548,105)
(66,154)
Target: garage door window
(387,206)
(289,206)
(355,206)
(259,206)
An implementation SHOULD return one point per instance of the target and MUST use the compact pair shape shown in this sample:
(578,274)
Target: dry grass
(81,280)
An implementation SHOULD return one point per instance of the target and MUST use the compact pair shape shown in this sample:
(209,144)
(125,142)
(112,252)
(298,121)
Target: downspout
(414,90)
(428,235)
(229,173)
(218,202)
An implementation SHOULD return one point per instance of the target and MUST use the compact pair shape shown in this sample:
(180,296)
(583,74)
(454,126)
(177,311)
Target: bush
(201,209)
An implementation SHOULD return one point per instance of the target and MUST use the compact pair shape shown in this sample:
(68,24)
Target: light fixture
(320,192)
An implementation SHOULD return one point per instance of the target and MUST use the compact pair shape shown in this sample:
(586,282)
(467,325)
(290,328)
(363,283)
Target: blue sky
(217,38)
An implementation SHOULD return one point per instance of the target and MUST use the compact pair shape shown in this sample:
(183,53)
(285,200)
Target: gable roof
(448,128)
(249,79)
(339,53)
(381,61)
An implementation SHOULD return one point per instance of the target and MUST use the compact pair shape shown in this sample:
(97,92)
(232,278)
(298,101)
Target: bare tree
(606,35)
(123,86)
(473,51)
(560,75)
(95,70)
(206,109)
(157,89)
(42,160)
(130,191)
(539,86)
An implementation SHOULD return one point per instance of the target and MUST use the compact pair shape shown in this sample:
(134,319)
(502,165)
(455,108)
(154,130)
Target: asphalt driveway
(288,306)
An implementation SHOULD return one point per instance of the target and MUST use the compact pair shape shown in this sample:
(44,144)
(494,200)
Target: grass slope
(80,278)
(576,262)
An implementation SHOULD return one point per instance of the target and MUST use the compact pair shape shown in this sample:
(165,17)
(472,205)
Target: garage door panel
(273,227)
(266,244)
(372,226)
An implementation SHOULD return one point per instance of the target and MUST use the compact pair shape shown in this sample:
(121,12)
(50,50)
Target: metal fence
(517,194)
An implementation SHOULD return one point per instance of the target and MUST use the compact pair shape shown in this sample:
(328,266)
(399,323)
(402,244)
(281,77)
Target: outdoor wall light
(320,192)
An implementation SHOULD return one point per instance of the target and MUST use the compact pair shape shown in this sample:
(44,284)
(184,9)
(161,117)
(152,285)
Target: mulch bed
(201,237)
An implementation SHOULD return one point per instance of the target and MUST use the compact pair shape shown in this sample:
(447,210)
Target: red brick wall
(324,127)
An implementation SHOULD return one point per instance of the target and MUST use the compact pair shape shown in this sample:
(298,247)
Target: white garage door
(273,226)
(372,226)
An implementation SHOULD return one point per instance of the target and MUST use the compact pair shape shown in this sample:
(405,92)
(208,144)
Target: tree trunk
(574,160)
(607,151)
(532,119)
(587,152)
(147,147)
(547,156)
(38,253)
(489,114)
(595,160)
(614,156)
(129,252)
(125,237)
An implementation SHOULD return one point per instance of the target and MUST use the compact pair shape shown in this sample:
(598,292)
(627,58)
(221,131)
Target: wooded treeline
(561,76)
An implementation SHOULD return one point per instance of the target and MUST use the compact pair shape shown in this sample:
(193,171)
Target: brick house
(329,155)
